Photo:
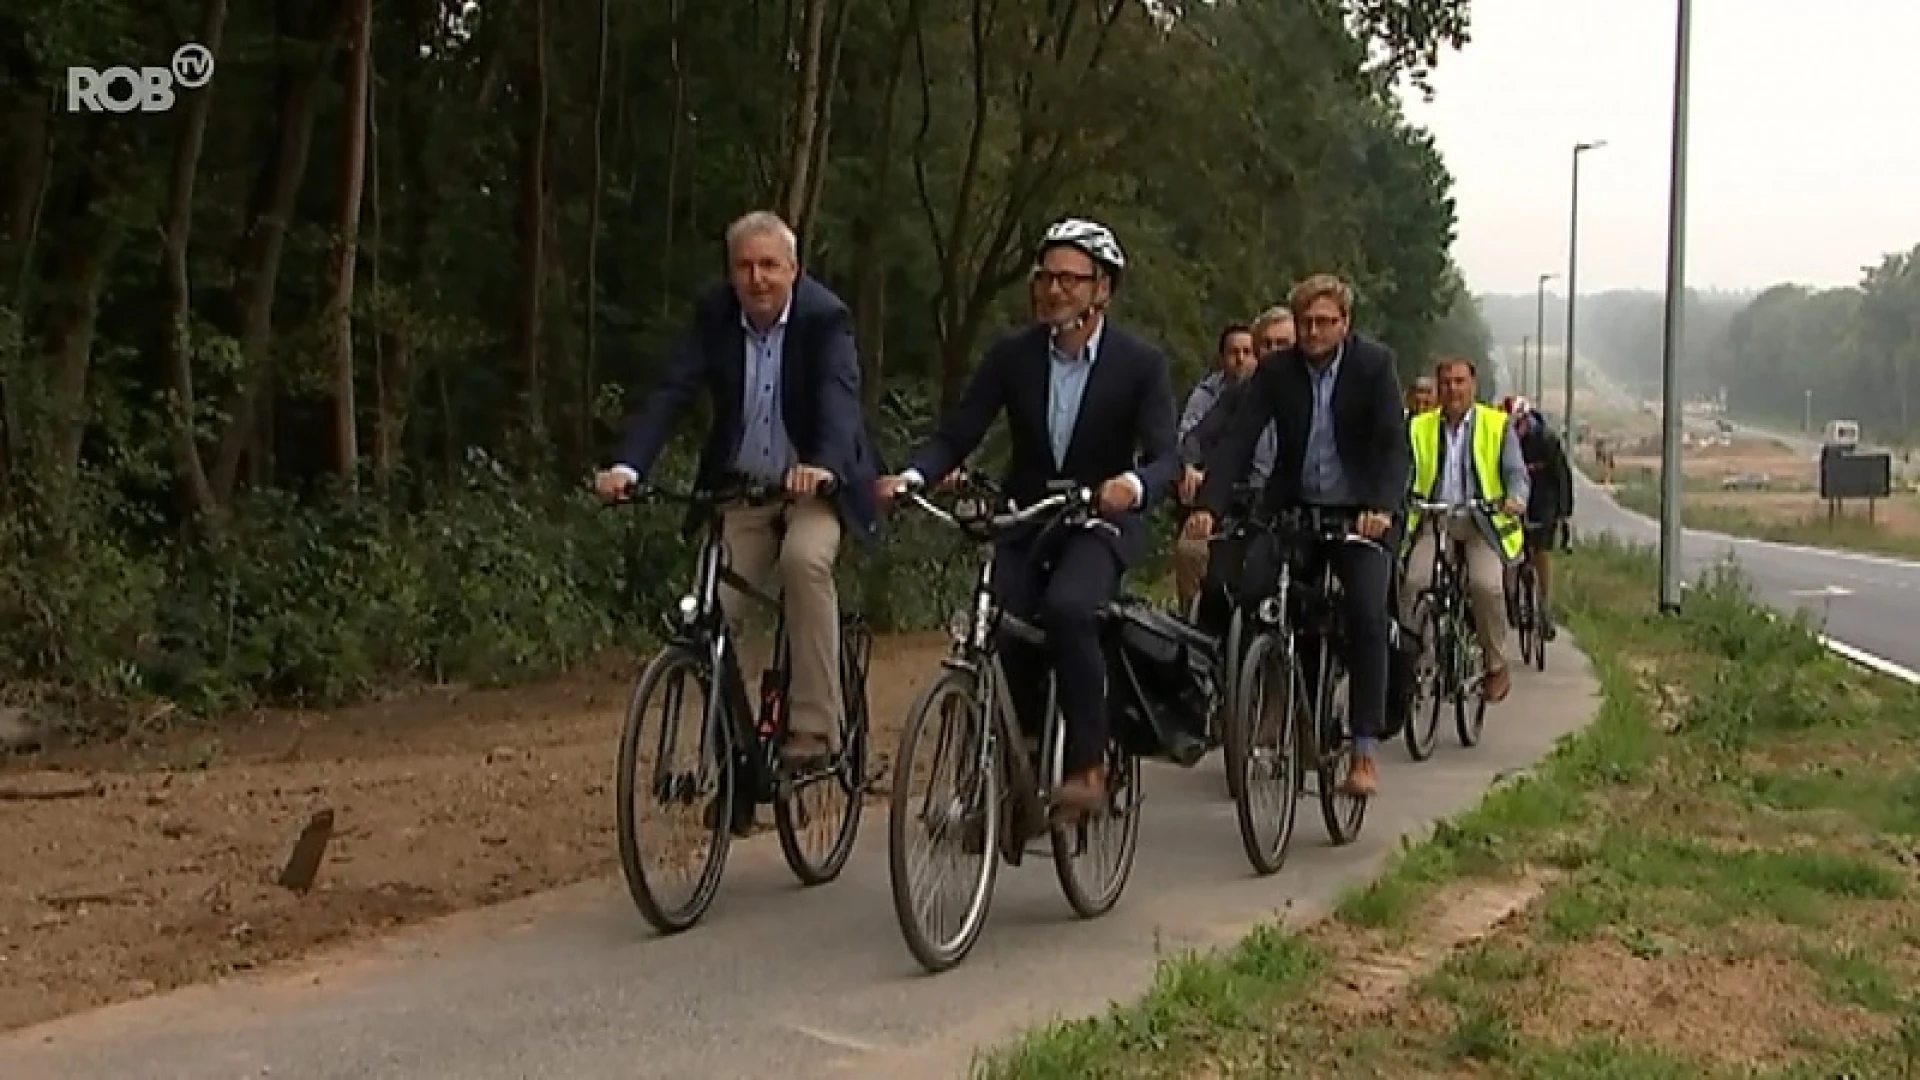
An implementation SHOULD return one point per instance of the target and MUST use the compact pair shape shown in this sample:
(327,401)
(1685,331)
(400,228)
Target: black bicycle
(736,763)
(999,800)
(1293,701)
(1451,668)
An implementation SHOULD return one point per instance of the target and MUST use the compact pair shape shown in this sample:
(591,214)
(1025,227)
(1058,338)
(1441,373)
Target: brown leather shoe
(1081,794)
(1362,779)
(1497,686)
(805,748)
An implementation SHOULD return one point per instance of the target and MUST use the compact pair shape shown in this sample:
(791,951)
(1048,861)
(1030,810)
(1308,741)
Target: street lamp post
(1573,271)
(1672,418)
(1521,378)
(1540,340)
(1806,422)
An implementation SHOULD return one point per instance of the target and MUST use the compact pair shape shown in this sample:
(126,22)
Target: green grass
(1851,533)
(1741,798)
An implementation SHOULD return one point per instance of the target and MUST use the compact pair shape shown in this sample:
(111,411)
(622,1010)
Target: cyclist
(1466,450)
(774,351)
(1273,330)
(1341,445)
(1421,396)
(1215,393)
(1082,398)
(1549,498)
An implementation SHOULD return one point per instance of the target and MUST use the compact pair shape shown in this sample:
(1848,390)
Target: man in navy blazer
(774,350)
(1086,401)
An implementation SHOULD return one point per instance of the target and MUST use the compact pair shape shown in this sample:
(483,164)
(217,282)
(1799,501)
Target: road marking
(1867,660)
(1829,590)
(834,1038)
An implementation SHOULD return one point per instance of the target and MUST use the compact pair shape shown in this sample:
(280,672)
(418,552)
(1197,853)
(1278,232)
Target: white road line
(1868,660)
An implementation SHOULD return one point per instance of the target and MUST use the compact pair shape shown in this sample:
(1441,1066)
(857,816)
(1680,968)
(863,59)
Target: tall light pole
(1521,378)
(1573,273)
(1671,410)
(1540,340)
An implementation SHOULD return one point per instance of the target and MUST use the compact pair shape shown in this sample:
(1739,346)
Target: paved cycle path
(779,981)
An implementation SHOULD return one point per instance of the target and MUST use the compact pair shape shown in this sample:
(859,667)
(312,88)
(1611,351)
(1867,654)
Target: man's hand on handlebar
(1117,495)
(1373,524)
(809,480)
(612,485)
(1189,485)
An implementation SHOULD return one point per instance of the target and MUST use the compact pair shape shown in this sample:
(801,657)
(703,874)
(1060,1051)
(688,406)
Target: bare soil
(137,869)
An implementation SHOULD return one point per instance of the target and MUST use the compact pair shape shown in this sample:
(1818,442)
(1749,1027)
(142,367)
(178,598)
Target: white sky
(1805,139)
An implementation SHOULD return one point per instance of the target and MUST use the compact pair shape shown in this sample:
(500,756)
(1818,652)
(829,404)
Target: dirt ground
(153,867)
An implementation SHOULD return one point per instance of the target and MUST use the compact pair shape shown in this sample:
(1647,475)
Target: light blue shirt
(1066,388)
(766,451)
(1323,478)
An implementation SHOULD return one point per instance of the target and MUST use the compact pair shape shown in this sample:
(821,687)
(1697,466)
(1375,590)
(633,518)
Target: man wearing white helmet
(1084,400)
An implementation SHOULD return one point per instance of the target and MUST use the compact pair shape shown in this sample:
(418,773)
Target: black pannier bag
(1161,679)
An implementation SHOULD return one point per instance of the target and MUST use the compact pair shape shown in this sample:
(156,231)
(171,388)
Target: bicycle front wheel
(951,723)
(818,812)
(1272,701)
(685,764)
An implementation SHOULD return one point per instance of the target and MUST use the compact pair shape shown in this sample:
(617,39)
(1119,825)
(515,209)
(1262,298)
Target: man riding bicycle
(774,350)
(1549,498)
(1212,400)
(1088,402)
(1342,446)
(1462,451)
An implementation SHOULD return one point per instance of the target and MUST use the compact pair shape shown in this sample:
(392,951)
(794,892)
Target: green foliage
(190,531)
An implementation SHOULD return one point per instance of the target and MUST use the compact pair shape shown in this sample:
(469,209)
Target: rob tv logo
(146,89)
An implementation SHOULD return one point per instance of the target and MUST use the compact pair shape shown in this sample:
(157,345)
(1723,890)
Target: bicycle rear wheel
(824,804)
(1525,622)
(1344,814)
(1470,685)
(1273,700)
(705,785)
(1094,858)
(1423,722)
(952,722)
(1233,674)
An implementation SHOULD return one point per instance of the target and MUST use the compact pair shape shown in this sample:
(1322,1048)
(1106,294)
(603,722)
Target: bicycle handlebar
(1456,509)
(970,514)
(753,493)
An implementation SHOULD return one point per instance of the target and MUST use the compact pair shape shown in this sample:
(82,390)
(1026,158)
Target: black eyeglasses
(1063,278)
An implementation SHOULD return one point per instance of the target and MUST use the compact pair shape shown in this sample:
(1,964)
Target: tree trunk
(177,232)
(590,371)
(353,175)
(797,184)
(533,210)
(256,276)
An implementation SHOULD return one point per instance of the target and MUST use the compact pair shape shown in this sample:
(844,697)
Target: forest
(302,379)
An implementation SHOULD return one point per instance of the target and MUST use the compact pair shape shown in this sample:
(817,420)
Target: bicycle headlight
(960,625)
(689,609)
(1271,610)
(968,509)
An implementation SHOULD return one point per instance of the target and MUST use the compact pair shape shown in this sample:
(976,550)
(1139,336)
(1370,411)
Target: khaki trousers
(1486,583)
(1189,568)
(804,582)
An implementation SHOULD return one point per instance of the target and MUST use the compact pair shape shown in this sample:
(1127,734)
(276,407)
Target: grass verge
(1714,879)
(1851,533)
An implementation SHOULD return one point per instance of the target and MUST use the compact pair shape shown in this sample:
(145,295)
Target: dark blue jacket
(819,396)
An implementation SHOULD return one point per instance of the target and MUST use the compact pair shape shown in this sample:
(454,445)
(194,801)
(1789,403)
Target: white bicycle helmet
(1091,237)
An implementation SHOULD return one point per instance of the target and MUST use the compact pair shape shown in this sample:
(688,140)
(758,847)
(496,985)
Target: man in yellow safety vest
(1462,451)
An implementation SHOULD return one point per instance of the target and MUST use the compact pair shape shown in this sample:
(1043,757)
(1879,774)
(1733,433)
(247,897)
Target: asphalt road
(778,981)
(1870,602)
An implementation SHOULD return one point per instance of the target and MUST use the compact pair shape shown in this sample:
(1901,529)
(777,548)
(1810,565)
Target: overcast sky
(1805,123)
